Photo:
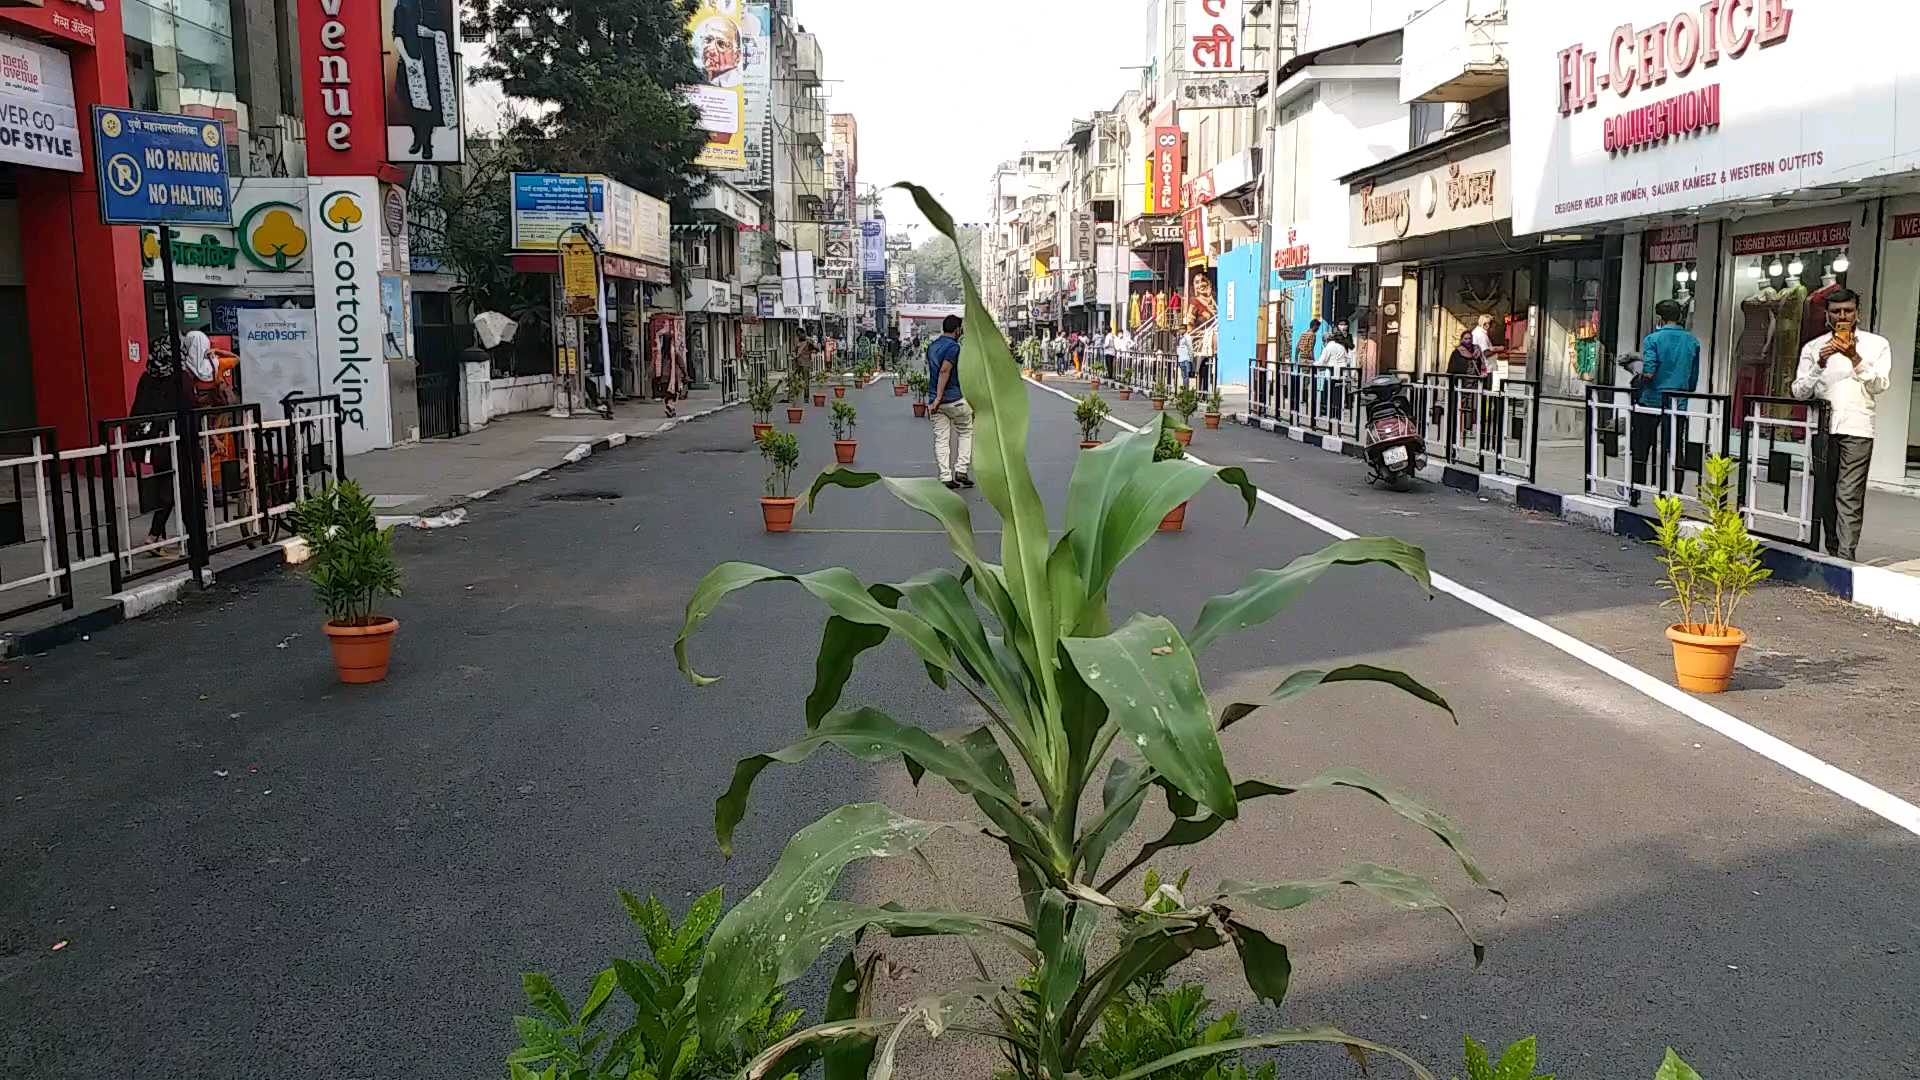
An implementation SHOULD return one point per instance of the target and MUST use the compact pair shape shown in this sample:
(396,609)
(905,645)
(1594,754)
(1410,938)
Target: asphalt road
(259,872)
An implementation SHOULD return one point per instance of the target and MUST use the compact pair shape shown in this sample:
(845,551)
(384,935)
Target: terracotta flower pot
(360,653)
(1159,404)
(1039,376)
(1126,394)
(899,389)
(843,450)
(1176,519)
(820,400)
(1183,436)
(1096,382)
(1703,662)
(919,408)
(760,429)
(795,414)
(1213,421)
(839,391)
(1086,445)
(778,513)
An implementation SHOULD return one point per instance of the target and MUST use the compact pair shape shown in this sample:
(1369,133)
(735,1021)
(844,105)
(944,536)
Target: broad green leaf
(651,918)
(597,997)
(1135,513)
(1292,1037)
(1099,475)
(1263,961)
(793,1054)
(1302,681)
(1147,677)
(1120,799)
(871,736)
(836,586)
(849,998)
(1479,1067)
(699,919)
(1396,887)
(1517,1062)
(544,996)
(765,941)
(837,919)
(937,501)
(1149,946)
(938,597)
(1063,931)
(841,643)
(1672,1068)
(1268,592)
(999,397)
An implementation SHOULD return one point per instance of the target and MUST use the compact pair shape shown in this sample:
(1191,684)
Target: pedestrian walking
(1184,352)
(1108,344)
(1337,356)
(951,415)
(1846,368)
(157,399)
(1303,349)
(1669,363)
(1464,363)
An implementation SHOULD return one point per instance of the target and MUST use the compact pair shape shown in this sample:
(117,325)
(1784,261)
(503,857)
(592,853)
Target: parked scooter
(1395,450)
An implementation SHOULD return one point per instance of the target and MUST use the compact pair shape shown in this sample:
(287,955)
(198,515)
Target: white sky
(945,92)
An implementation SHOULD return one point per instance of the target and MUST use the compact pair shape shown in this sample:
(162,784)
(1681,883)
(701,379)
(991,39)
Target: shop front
(1157,243)
(1742,199)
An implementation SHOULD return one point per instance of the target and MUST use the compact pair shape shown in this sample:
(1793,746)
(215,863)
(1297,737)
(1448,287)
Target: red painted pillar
(85,300)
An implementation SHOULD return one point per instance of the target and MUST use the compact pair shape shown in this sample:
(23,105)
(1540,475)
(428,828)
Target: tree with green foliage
(936,268)
(607,75)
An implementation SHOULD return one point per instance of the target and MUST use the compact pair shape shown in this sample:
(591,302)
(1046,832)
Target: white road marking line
(1788,756)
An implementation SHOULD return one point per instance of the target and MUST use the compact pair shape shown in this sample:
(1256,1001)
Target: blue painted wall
(1239,297)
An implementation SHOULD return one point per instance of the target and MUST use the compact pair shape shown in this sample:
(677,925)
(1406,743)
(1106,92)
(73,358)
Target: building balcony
(1455,51)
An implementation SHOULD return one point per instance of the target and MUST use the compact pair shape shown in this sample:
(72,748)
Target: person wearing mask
(951,415)
(1669,363)
(1847,368)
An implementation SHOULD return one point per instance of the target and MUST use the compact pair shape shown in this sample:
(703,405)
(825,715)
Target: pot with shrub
(1710,567)
(1186,402)
(351,566)
(1160,394)
(1214,403)
(1126,393)
(917,385)
(799,381)
(782,453)
(760,402)
(842,419)
(1171,447)
(1090,413)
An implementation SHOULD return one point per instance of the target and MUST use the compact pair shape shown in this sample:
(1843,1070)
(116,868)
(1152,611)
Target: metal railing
(1657,450)
(1780,442)
(29,460)
(1469,421)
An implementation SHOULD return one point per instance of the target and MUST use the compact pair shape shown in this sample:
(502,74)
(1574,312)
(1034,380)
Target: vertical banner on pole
(347,306)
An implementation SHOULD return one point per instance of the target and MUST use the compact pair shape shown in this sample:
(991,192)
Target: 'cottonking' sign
(346,294)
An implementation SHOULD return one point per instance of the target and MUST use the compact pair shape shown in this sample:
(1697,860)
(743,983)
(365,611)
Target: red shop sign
(1674,244)
(1166,170)
(1804,239)
(342,87)
(1906,226)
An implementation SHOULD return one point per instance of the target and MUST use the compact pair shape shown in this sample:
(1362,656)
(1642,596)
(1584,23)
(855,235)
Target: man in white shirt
(1846,368)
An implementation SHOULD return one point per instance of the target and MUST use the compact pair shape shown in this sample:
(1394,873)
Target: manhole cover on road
(581,496)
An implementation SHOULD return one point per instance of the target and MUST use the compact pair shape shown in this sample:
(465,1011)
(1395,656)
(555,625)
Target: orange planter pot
(1126,394)
(1213,421)
(1096,384)
(820,400)
(760,429)
(361,653)
(1176,519)
(1704,662)
(839,391)
(795,415)
(843,450)
(919,408)
(899,389)
(1159,403)
(1183,436)
(778,514)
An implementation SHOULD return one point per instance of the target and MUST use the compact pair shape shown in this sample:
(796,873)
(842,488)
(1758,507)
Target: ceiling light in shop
(1796,267)
(1774,269)
(1840,264)
(1754,271)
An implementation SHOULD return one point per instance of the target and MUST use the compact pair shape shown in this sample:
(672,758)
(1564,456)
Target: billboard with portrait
(720,98)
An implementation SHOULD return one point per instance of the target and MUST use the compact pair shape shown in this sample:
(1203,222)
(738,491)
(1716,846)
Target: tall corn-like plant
(1068,697)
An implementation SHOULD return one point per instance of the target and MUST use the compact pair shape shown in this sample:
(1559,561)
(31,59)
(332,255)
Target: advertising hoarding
(38,125)
(160,168)
(347,309)
(720,99)
(421,61)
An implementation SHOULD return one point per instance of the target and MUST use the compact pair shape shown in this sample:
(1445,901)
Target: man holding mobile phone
(1847,369)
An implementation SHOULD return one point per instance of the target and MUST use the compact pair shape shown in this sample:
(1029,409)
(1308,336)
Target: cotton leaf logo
(343,213)
(149,246)
(279,237)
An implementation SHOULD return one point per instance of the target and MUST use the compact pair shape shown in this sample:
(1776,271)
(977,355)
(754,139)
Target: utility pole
(1264,194)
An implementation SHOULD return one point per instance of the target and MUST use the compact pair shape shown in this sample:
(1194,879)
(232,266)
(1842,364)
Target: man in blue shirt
(951,414)
(1669,363)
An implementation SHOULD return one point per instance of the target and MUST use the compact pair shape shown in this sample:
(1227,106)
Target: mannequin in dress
(1789,312)
(1756,327)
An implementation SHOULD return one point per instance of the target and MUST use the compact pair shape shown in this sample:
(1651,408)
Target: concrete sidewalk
(412,482)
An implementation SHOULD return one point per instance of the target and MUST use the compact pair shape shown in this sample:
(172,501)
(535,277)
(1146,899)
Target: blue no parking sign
(160,168)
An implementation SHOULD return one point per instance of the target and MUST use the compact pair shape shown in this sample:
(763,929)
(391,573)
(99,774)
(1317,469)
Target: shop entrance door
(16,363)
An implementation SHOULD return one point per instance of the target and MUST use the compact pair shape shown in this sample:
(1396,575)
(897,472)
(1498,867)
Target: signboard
(1165,183)
(579,284)
(1225,92)
(1293,255)
(756,49)
(271,227)
(730,202)
(1474,190)
(38,125)
(159,168)
(422,56)
(1142,231)
(873,247)
(341,86)
(1082,237)
(1675,244)
(1645,107)
(203,256)
(347,311)
(1194,222)
(1809,238)
(720,99)
(626,222)
(1905,227)
(279,352)
(1214,28)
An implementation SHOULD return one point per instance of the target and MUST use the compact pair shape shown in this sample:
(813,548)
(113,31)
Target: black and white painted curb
(150,596)
(1887,592)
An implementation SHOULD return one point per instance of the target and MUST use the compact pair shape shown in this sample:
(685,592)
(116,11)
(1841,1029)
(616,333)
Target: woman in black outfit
(157,395)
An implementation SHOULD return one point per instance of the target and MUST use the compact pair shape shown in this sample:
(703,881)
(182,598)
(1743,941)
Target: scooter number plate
(1395,455)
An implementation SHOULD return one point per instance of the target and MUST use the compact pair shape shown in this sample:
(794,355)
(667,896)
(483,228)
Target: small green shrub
(1160,390)
(1709,571)
(351,557)
(1168,448)
(1215,401)
(799,384)
(1517,1063)
(760,400)
(782,453)
(842,419)
(917,382)
(1186,402)
(1090,414)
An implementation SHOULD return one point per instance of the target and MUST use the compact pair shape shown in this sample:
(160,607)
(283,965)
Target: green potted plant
(1169,446)
(781,449)
(842,419)
(1186,402)
(760,401)
(351,566)
(917,383)
(1710,567)
(1159,394)
(1126,392)
(799,380)
(1090,414)
(1214,403)
(1085,723)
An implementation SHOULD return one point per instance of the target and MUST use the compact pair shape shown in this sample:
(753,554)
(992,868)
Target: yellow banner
(1039,267)
(719,99)
(578,279)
